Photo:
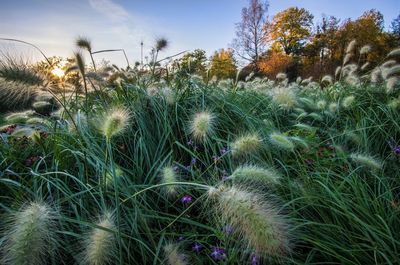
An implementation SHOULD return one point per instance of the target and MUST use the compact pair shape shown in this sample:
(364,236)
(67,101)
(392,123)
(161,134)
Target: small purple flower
(215,159)
(225,175)
(187,199)
(176,169)
(224,150)
(396,150)
(218,253)
(228,229)
(190,142)
(255,260)
(193,161)
(181,238)
(196,247)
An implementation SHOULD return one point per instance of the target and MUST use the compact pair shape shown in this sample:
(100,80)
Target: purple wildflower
(228,229)
(181,238)
(193,161)
(225,175)
(196,247)
(190,142)
(187,199)
(215,159)
(396,150)
(255,260)
(224,150)
(218,253)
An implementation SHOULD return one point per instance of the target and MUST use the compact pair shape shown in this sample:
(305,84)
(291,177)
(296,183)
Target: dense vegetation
(160,166)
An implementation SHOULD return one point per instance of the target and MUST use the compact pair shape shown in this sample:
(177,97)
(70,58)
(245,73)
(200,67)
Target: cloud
(110,9)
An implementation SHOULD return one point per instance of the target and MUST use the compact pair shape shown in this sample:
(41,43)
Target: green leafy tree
(290,29)
(223,64)
(192,62)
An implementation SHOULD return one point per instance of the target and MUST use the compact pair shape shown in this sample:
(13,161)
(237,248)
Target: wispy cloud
(110,9)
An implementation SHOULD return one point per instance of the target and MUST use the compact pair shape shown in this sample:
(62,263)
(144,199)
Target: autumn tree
(290,29)
(275,62)
(248,43)
(223,64)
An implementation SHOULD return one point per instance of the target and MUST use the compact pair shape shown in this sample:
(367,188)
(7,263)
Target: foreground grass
(150,175)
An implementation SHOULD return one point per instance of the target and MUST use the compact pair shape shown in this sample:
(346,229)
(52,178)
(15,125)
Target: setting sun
(58,72)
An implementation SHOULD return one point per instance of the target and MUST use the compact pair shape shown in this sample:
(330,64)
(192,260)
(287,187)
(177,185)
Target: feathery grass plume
(388,64)
(391,84)
(347,58)
(348,101)
(351,46)
(16,95)
(246,144)
(376,75)
(352,137)
(173,255)
(281,76)
(388,72)
(305,127)
(152,91)
(394,104)
(298,80)
(281,141)
(19,117)
(352,80)
(37,120)
(109,177)
(307,102)
(337,71)
(365,66)
(169,95)
(299,142)
(21,132)
(315,116)
(168,175)
(202,125)
(101,244)
(43,107)
(161,44)
(19,71)
(394,53)
(327,79)
(366,161)
(349,69)
(255,174)
(333,107)
(254,219)
(284,97)
(365,49)
(321,105)
(31,237)
(114,122)
(84,43)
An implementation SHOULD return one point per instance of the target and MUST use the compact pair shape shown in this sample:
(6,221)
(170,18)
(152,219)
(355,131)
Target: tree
(193,62)
(395,27)
(248,44)
(275,62)
(223,65)
(290,28)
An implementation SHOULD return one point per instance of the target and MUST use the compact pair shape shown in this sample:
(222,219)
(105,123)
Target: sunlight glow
(58,72)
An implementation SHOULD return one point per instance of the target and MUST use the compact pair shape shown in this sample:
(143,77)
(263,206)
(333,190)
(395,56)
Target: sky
(54,25)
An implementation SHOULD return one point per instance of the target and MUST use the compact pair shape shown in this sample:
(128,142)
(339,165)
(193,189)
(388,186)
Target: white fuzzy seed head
(202,125)
(255,220)
(114,122)
(333,107)
(348,102)
(254,174)
(246,144)
(284,97)
(321,105)
(366,161)
(365,49)
(169,176)
(31,238)
(281,141)
(173,255)
(101,244)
